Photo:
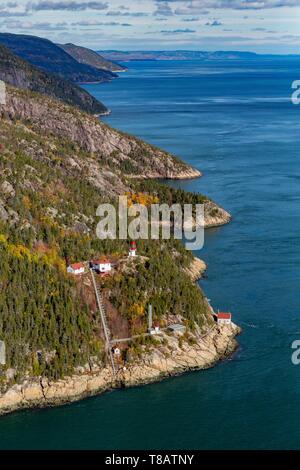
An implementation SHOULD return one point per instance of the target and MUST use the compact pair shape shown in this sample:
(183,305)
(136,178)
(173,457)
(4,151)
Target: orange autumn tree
(136,310)
(141,198)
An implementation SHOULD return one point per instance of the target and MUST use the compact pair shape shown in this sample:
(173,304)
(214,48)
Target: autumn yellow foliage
(49,255)
(141,198)
(136,310)
(19,251)
(3,239)
(26,202)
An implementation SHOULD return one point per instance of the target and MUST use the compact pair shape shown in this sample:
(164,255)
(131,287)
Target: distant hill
(86,56)
(48,57)
(19,73)
(127,56)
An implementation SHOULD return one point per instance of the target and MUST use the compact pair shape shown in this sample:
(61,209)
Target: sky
(263,26)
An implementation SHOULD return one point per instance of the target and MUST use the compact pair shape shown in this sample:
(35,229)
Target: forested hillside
(51,184)
(50,58)
(21,74)
(89,57)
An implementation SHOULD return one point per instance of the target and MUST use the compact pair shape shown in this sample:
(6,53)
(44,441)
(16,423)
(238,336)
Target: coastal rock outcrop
(202,353)
(129,154)
(196,269)
(21,74)
(199,352)
(58,142)
(214,215)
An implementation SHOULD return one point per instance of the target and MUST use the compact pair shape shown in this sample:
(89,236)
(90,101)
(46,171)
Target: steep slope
(119,160)
(57,165)
(89,57)
(125,153)
(18,72)
(48,57)
(50,189)
(71,165)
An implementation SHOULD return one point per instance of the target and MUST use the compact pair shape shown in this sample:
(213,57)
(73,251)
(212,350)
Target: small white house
(224,318)
(102,265)
(117,351)
(132,249)
(76,269)
(155,330)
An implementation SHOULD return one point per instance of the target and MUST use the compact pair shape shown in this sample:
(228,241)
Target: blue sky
(268,26)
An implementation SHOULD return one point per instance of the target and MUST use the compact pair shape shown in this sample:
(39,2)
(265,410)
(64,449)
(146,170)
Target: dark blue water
(235,122)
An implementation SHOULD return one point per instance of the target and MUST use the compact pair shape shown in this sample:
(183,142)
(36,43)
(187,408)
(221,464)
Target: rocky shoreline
(110,148)
(171,358)
(214,215)
(174,354)
(196,269)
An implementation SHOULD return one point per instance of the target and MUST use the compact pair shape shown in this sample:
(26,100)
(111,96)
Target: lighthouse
(132,249)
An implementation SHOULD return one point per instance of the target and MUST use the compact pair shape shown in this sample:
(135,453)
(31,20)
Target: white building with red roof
(132,249)
(76,269)
(224,318)
(102,265)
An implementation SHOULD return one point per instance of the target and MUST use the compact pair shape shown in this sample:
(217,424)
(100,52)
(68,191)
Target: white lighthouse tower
(132,249)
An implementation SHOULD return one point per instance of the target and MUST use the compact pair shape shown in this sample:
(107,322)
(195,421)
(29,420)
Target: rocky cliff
(107,159)
(56,165)
(131,155)
(196,269)
(48,57)
(89,57)
(172,356)
(19,73)
(215,215)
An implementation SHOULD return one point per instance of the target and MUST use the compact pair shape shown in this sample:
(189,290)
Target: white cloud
(163,9)
(198,5)
(99,23)
(71,5)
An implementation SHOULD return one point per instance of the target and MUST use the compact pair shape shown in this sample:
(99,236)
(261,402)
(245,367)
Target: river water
(235,122)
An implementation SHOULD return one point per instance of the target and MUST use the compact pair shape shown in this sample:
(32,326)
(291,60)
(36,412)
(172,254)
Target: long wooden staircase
(104,321)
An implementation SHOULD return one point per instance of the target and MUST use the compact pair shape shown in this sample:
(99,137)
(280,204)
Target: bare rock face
(215,215)
(21,74)
(32,392)
(12,398)
(132,155)
(196,269)
(3,213)
(207,349)
(217,343)
(89,57)
(7,189)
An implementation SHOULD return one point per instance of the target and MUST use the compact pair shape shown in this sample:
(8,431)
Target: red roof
(101,261)
(132,243)
(76,266)
(224,316)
